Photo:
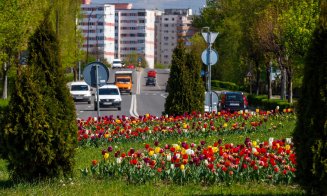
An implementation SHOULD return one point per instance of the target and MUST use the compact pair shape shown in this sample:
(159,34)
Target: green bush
(221,85)
(311,130)
(39,135)
(263,102)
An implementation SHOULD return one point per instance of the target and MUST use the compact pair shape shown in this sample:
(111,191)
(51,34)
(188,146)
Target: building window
(142,21)
(141,13)
(166,19)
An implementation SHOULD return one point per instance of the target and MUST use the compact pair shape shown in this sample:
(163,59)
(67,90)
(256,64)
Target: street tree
(311,129)
(39,136)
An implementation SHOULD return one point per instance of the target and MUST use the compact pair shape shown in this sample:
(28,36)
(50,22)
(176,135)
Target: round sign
(213,57)
(89,73)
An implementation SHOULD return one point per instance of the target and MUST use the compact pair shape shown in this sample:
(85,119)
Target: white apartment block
(173,25)
(135,33)
(116,30)
(98,27)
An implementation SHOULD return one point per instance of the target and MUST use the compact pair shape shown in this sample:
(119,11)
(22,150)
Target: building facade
(116,31)
(135,33)
(172,26)
(98,27)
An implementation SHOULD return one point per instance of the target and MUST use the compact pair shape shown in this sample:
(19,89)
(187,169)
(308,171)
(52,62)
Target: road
(144,99)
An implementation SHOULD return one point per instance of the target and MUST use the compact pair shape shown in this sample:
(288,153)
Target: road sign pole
(97,84)
(209,76)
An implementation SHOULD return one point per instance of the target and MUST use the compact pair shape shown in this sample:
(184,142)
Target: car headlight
(117,100)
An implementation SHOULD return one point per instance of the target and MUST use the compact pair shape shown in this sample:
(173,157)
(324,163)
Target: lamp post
(88,33)
(96,36)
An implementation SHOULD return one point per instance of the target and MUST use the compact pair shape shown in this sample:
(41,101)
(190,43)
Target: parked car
(117,63)
(233,101)
(109,97)
(151,81)
(80,91)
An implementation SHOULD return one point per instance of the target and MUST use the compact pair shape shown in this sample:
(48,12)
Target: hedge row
(263,102)
(221,85)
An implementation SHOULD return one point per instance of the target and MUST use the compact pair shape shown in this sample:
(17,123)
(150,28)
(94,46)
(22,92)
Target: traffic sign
(89,73)
(213,56)
(139,59)
(212,38)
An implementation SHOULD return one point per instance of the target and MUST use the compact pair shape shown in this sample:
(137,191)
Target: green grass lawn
(81,185)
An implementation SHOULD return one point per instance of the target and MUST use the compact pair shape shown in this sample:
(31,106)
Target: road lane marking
(133,109)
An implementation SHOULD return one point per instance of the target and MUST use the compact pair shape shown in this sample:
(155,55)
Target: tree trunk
(290,85)
(269,82)
(257,78)
(283,84)
(5,82)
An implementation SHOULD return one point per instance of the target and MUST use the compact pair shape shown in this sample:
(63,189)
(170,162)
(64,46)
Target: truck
(152,78)
(124,81)
(152,74)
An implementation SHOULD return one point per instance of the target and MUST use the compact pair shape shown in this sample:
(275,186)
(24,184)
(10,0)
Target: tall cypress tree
(176,100)
(194,65)
(40,133)
(186,91)
(311,129)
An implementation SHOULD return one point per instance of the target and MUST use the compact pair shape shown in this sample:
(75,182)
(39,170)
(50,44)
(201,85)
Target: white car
(80,91)
(116,63)
(109,96)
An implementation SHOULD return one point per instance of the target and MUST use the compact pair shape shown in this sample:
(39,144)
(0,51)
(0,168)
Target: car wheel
(95,107)
(89,102)
(130,93)
(119,108)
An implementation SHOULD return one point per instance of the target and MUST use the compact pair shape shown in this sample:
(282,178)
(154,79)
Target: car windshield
(123,80)
(150,79)
(108,91)
(234,97)
(116,62)
(79,88)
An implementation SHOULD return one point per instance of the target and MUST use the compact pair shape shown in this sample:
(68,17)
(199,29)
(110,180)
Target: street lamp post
(88,33)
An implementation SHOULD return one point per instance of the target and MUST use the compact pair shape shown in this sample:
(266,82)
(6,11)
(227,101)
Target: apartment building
(135,33)
(171,26)
(117,30)
(98,27)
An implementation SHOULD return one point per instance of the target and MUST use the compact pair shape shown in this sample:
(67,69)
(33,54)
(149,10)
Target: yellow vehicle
(124,81)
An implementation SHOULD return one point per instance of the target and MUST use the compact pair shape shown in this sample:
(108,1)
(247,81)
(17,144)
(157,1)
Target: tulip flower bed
(270,161)
(196,125)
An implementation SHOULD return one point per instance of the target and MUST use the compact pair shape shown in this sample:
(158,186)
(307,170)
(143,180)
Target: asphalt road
(144,99)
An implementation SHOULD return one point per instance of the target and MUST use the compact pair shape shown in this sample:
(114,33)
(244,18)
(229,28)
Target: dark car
(233,101)
(150,81)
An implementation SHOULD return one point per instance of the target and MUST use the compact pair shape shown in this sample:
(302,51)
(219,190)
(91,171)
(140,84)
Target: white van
(116,63)
(109,96)
(80,91)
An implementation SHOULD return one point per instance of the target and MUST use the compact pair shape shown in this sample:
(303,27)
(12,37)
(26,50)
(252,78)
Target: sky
(195,5)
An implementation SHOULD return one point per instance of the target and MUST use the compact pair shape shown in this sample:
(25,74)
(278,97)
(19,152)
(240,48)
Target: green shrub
(221,85)
(39,137)
(263,102)
(311,130)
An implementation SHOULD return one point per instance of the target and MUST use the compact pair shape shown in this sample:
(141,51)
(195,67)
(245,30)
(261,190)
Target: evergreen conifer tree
(186,91)
(39,137)
(194,65)
(311,129)
(175,100)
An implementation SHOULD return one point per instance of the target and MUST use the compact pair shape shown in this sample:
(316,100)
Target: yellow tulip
(287,147)
(118,121)
(182,167)
(215,149)
(106,135)
(151,153)
(157,150)
(106,156)
(257,110)
(254,143)
(225,125)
